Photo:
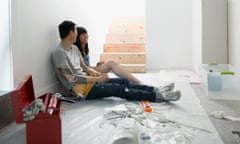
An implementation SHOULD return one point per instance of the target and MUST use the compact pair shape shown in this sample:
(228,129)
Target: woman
(103,67)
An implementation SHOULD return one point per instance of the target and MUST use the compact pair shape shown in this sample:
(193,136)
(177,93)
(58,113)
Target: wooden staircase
(125,43)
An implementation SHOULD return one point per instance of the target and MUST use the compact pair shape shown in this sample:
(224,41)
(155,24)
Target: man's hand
(103,78)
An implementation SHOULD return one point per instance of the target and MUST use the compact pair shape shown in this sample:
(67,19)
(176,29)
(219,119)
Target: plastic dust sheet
(117,121)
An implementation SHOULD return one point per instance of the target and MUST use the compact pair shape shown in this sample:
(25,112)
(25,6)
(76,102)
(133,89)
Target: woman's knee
(112,63)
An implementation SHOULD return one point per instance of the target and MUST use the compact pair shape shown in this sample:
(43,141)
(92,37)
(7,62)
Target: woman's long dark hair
(84,51)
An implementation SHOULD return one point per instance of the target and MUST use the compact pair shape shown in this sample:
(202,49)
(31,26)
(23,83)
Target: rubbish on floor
(146,106)
(144,138)
(236,136)
(222,115)
(150,127)
(189,126)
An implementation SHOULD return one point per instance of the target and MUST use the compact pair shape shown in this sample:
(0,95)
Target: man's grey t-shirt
(71,58)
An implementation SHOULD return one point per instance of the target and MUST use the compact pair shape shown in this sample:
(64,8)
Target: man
(70,69)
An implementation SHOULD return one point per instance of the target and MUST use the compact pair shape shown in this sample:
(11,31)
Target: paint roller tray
(220,81)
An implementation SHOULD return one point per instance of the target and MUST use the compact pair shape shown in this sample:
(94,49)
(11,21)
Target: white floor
(81,121)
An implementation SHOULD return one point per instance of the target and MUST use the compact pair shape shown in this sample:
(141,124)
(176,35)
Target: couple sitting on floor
(70,67)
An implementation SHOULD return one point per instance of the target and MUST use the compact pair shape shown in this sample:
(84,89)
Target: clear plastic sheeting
(92,122)
(151,128)
(117,121)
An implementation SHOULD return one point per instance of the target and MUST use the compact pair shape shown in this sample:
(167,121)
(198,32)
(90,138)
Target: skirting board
(54,87)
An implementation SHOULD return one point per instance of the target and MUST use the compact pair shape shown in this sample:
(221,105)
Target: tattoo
(80,79)
(67,73)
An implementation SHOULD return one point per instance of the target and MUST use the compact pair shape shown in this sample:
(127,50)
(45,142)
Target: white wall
(234,32)
(169,33)
(197,34)
(5,49)
(173,32)
(35,32)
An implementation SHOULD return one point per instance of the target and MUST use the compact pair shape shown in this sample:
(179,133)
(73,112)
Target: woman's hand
(99,63)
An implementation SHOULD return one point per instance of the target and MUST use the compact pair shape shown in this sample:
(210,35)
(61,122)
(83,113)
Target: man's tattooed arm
(80,79)
(67,73)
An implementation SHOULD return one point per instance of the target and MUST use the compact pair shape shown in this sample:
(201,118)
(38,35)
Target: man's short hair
(65,27)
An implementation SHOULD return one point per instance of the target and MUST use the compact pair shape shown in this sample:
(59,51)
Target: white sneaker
(171,95)
(167,87)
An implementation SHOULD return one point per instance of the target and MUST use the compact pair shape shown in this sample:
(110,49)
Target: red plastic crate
(45,128)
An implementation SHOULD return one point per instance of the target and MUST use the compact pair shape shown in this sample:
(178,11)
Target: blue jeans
(122,88)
